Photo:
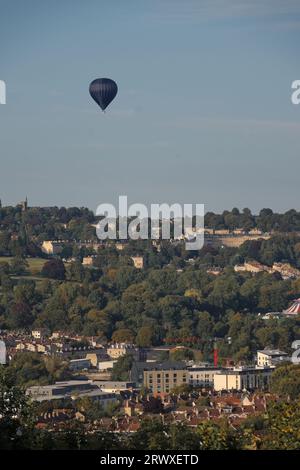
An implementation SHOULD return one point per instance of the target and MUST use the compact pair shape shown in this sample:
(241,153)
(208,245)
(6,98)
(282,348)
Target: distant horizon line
(20,203)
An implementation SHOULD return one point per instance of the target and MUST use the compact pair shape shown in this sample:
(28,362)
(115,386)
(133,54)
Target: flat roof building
(79,364)
(164,377)
(73,389)
(268,357)
(203,376)
(114,387)
(240,378)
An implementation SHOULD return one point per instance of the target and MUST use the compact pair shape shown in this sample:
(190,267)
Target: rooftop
(273,352)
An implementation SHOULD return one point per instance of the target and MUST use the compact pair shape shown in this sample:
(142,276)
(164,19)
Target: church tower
(25,205)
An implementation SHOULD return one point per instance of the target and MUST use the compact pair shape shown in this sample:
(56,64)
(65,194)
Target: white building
(201,376)
(138,261)
(50,247)
(40,333)
(73,389)
(269,357)
(88,260)
(114,387)
(2,353)
(103,366)
(243,378)
(117,350)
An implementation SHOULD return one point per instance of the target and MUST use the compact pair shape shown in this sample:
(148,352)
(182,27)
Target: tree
(54,269)
(76,272)
(219,436)
(182,438)
(16,414)
(183,389)
(21,315)
(98,323)
(124,335)
(18,266)
(145,337)
(181,354)
(152,435)
(285,381)
(92,409)
(283,424)
(30,368)
(121,369)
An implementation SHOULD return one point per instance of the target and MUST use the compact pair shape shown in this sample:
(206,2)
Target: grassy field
(35,264)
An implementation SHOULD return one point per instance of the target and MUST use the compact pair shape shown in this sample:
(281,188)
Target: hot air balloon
(103,91)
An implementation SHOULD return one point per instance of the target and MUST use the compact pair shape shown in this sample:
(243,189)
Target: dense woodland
(49,223)
(172,300)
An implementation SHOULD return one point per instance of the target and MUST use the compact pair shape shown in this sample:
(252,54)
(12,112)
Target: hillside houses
(284,269)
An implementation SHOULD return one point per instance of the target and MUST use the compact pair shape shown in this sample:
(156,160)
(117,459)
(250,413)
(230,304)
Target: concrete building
(106,365)
(95,357)
(240,378)
(202,376)
(73,389)
(59,334)
(50,247)
(2,353)
(42,348)
(88,260)
(164,377)
(120,246)
(117,350)
(79,364)
(286,270)
(269,357)
(114,387)
(252,267)
(60,389)
(138,261)
(23,205)
(40,333)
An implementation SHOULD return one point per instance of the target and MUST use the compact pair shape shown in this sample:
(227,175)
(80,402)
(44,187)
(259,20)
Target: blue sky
(203,113)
